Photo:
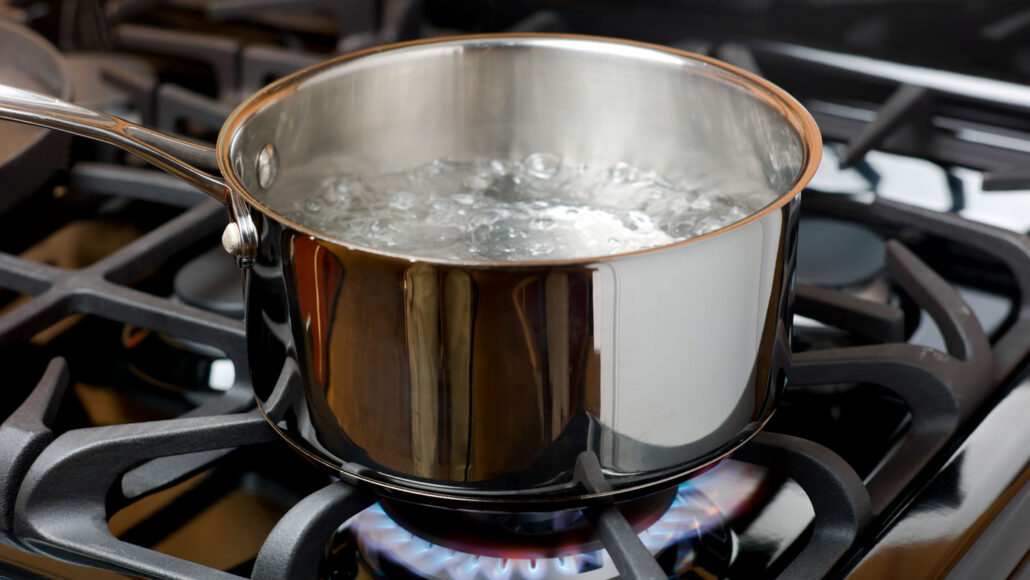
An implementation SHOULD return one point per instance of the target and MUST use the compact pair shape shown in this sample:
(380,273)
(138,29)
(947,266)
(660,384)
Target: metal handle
(171,154)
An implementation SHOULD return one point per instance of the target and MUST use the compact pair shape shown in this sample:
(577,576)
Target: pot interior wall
(588,101)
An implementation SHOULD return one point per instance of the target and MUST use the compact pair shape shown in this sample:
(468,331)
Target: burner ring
(522,535)
(690,534)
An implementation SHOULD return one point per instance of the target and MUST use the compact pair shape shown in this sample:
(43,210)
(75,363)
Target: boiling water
(535,209)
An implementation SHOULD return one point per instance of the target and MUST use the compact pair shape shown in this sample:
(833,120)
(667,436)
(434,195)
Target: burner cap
(837,254)
(211,281)
(90,88)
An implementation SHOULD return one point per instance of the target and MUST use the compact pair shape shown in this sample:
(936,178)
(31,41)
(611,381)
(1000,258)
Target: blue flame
(704,503)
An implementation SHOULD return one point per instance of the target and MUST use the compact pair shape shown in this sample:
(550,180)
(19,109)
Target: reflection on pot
(461,380)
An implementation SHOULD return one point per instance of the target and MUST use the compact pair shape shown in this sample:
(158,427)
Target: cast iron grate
(55,491)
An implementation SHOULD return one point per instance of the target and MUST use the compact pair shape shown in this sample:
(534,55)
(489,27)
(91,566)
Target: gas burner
(838,255)
(387,548)
(881,418)
(843,256)
(527,535)
(689,532)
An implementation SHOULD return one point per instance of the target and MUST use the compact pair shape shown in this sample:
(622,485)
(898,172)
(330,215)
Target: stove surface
(129,442)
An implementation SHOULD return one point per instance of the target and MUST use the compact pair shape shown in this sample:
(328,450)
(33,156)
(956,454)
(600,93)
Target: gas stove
(130,444)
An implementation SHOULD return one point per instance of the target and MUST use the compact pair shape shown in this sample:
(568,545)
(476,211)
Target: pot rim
(799,118)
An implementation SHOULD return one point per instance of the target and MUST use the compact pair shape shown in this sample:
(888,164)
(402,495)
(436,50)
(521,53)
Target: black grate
(57,491)
(56,494)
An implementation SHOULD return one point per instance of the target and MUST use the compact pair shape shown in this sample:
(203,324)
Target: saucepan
(497,384)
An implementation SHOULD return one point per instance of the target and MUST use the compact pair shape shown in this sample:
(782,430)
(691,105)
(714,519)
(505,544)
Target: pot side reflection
(487,383)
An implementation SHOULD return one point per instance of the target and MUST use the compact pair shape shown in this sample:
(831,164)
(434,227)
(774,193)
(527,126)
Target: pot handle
(174,155)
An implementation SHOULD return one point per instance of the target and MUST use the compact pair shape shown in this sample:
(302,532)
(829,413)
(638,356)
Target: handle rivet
(231,239)
(267,166)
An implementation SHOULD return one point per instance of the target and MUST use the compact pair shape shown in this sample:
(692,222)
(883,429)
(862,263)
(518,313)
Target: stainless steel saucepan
(515,384)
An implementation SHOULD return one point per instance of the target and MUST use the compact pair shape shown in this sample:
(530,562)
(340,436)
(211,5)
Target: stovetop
(130,446)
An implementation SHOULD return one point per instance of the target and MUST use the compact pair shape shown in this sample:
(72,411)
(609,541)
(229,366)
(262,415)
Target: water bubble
(539,249)
(542,165)
(684,229)
(336,190)
(707,228)
(477,182)
(638,220)
(700,204)
(501,209)
(618,172)
(337,196)
(541,223)
(403,200)
(500,166)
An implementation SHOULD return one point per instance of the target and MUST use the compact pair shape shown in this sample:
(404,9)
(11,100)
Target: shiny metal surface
(594,101)
(486,383)
(931,535)
(169,153)
(479,383)
(475,382)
